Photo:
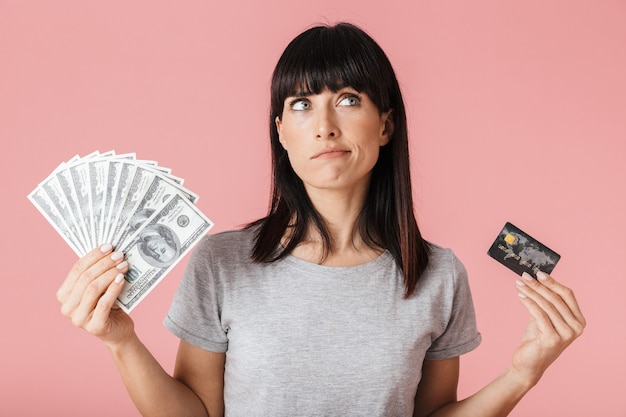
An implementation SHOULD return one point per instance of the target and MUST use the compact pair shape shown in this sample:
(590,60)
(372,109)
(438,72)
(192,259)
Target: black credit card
(520,252)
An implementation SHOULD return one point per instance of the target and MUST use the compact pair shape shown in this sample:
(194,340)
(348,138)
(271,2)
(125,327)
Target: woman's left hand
(555,322)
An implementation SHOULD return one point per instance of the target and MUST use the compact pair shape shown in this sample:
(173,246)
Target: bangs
(330,58)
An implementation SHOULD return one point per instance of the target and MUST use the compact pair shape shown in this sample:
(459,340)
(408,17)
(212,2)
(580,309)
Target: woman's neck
(349,255)
(340,212)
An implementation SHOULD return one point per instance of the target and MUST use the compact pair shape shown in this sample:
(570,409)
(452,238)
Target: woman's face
(333,138)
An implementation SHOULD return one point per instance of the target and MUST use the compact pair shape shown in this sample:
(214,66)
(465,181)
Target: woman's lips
(330,153)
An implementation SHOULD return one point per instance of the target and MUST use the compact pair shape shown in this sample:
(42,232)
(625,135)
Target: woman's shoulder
(443,260)
(228,240)
(228,246)
(439,253)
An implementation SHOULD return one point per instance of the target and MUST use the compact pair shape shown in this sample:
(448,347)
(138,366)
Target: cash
(136,205)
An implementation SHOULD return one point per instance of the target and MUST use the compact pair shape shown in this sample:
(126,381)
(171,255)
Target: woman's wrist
(117,347)
(520,380)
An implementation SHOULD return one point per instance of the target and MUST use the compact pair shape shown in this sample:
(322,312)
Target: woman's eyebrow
(301,93)
(307,93)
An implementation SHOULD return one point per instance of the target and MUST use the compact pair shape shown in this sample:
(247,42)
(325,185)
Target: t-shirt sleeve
(194,315)
(461,333)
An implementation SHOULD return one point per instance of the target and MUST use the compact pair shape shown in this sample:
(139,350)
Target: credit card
(520,252)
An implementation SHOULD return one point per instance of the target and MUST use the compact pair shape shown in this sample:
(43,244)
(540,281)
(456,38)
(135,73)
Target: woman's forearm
(497,399)
(154,392)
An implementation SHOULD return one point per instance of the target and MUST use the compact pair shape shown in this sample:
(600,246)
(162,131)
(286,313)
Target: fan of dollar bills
(135,205)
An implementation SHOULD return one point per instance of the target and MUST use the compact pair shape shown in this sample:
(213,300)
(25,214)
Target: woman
(333,304)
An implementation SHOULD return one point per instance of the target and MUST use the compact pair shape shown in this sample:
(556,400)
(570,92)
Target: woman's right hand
(89,292)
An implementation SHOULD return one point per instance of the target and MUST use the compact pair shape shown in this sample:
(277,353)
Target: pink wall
(517,112)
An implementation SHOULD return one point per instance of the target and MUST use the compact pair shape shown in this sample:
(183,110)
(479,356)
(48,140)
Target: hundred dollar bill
(127,171)
(42,202)
(65,181)
(113,176)
(55,194)
(79,173)
(141,178)
(98,170)
(80,180)
(160,244)
(156,193)
(116,191)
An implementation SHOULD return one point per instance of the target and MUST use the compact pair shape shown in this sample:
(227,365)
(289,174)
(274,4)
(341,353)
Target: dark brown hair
(333,57)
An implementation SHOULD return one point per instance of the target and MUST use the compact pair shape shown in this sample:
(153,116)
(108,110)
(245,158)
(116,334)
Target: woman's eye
(350,101)
(300,104)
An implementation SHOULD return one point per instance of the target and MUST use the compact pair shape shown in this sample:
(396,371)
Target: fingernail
(520,282)
(527,276)
(542,275)
(106,247)
(122,265)
(520,295)
(119,278)
(116,256)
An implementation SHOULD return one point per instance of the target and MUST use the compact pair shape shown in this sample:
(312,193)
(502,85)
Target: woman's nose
(326,124)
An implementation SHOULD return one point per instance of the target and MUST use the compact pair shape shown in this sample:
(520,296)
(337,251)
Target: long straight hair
(334,57)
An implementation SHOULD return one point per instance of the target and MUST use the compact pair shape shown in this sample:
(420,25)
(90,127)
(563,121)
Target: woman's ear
(278,124)
(387,127)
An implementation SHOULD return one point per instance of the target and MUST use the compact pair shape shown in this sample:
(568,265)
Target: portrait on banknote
(158,245)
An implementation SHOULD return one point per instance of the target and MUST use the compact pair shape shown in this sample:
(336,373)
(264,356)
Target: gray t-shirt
(303,339)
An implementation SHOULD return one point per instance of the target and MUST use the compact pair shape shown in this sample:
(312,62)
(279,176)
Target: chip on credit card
(520,252)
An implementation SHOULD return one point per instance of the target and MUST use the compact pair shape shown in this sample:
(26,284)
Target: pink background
(517,113)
